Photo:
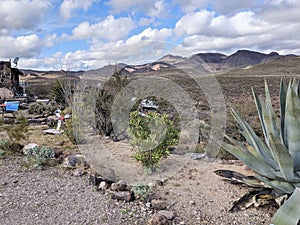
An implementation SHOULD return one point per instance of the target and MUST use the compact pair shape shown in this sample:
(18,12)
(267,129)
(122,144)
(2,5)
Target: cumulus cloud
(24,14)
(205,30)
(194,23)
(205,25)
(23,46)
(149,7)
(109,29)
(218,6)
(151,34)
(69,6)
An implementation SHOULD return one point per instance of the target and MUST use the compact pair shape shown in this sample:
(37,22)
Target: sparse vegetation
(141,191)
(42,109)
(61,92)
(38,157)
(104,100)
(15,133)
(152,136)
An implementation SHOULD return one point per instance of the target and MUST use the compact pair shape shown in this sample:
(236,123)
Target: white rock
(103,186)
(29,146)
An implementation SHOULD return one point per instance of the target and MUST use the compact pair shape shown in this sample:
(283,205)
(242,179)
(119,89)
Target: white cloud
(149,7)
(23,46)
(109,29)
(22,14)
(150,34)
(281,12)
(194,23)
(157,9)
(68,6)
(219,6)
(145,21)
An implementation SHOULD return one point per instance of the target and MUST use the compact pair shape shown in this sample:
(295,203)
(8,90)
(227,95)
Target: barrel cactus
(276,159)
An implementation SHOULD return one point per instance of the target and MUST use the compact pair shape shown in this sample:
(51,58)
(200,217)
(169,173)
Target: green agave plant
(276,159)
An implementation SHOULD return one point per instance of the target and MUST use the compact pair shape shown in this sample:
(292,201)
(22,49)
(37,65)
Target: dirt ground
(192,191)
(196,194)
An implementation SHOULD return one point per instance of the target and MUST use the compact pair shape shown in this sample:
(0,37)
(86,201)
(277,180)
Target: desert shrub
(42,109)
(62,91)
(152,136)
(75,135)
(15,133)
(104,101)
(141,191)
(38,157)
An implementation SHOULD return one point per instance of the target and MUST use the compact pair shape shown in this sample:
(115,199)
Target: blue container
(12,106)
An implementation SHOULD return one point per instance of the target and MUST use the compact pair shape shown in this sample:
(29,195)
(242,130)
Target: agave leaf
(255,141)
(284,159)
(256,164)
(282,113)
(271,113)
(267,116)
(292,126)
(295,86)
(289,212)
(280,187)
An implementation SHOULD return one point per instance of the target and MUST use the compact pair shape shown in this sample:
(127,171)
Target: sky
(83,35)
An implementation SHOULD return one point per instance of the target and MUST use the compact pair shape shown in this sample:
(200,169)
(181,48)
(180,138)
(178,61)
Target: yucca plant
(276,159)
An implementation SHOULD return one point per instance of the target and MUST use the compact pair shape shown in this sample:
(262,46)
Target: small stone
(158,204)
(148,205)
(58,152)
(78,173)
(123,196)
(157,219)
(103,186)
(75,161)
(119,186)
(168,214)
(182,223)
(192,202)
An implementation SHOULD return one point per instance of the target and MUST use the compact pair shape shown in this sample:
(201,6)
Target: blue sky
(76,34)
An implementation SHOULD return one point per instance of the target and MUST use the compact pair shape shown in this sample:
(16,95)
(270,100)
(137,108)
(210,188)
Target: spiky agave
(276,159)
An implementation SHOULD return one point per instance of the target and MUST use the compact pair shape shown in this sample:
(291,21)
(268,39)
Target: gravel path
(53,196)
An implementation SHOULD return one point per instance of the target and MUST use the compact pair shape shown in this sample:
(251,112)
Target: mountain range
(206,62)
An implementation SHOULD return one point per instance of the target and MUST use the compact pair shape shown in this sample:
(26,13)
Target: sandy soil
(190,189)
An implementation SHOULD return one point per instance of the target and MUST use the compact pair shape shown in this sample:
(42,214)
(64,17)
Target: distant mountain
(145,68)
(204,63)
(246,57)
(208,57)
(105,71)
(282,65)
(171,59)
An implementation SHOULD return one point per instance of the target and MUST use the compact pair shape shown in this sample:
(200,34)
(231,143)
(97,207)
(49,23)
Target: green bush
(41,109)
(15,133)
(141,191)
(152,136)
(39,156)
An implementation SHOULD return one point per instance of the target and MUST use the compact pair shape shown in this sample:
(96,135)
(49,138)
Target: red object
(61,118)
